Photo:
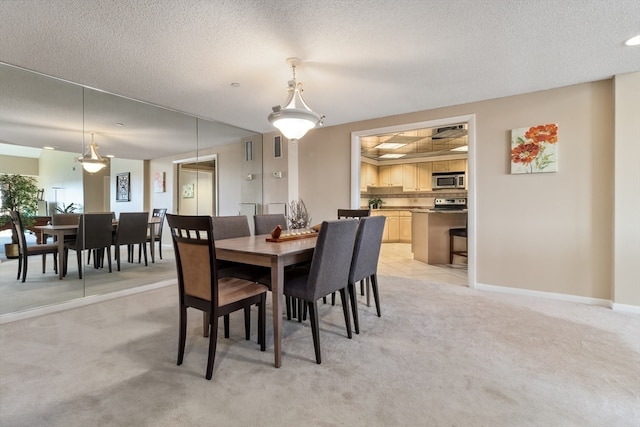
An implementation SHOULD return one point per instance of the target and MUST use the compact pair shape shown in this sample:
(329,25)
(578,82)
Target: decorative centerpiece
(298,215)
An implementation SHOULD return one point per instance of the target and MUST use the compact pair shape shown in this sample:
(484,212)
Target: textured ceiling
(361,59)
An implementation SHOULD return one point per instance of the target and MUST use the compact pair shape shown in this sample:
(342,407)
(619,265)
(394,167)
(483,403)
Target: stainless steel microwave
(447,180)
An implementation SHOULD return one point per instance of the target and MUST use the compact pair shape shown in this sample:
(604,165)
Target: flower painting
(534,149)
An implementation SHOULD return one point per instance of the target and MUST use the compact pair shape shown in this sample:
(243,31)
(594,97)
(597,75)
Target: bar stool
(459,232)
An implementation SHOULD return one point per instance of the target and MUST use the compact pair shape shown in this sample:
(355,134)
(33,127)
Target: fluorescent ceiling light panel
(461,148)
(633,41)
(390,145)
(391,156)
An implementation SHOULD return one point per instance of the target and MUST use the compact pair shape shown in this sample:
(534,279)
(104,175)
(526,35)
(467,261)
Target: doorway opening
(197,186)
(469,123)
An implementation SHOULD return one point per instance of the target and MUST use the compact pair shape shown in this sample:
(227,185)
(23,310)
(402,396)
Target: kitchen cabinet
(459,165)
(423,176)
(390,175)
(409,177)
(368,176)
(404,231)
(397,226)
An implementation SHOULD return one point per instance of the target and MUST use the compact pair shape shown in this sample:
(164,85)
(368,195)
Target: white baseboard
(80,302)
(625,308)
(548,295)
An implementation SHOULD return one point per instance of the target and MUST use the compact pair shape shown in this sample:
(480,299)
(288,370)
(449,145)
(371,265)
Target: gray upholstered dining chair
(131,230)
(265,223)
(328,273)
(25,251)
(95,233)
(202,289)
(364,263)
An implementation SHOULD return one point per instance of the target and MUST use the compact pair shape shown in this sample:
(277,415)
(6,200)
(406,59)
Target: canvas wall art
(534,149)
(158,182)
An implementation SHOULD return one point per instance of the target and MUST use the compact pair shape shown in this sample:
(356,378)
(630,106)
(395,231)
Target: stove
(457,204)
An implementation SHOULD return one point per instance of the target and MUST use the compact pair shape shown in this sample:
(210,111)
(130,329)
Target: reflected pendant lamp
(92,161)
(295,118)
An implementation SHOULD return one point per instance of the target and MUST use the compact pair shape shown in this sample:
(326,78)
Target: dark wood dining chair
(265,223)
(156,236)
(328,273)
(131,230)
(364,263)
(25,251)
(95,233)
(202,289)
(453,233)
(353,213)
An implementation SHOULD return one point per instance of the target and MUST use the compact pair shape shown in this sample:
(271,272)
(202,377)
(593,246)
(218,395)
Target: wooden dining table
(59,231)
(255,250)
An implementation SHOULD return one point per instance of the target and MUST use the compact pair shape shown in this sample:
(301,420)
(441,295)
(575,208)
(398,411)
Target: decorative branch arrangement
(298,215)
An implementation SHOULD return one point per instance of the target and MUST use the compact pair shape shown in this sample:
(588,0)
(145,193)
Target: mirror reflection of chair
(156,236)
(364,264)
(131,230)
(453,233)
(328,273)
(202,289)
(95,233)
(265,223)
(25,251)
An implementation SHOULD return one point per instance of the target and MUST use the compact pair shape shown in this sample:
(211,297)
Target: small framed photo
(123,187)
(187,191)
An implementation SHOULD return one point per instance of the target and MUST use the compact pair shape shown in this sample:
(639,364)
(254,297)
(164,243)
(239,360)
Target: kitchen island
(430,233)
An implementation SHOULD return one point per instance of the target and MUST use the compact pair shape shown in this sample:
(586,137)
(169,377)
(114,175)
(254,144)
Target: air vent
(449,132)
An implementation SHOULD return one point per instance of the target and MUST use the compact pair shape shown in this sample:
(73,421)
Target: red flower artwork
(533,149)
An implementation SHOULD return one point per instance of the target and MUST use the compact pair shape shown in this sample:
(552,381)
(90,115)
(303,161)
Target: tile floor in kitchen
(396,259)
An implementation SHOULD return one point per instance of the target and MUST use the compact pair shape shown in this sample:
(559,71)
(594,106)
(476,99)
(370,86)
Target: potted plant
(19,193)
(375,203)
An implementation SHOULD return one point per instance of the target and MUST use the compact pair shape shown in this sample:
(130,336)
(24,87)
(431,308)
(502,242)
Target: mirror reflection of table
(58,231)
(255,250)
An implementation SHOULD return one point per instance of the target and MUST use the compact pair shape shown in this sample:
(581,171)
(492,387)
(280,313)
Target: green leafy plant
(19,193)
(375,203)
(70,208)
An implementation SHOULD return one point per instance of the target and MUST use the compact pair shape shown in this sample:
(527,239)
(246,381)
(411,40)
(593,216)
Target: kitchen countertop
(431,210)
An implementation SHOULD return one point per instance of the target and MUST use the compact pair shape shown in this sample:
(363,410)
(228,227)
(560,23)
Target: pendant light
(295,118)
(92,161)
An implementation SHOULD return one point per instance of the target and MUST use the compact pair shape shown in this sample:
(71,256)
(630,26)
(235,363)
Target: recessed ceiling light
(48,148)
(389,145)
(111,156)
(235,84)
(119,124)
(391,156)
(633,41)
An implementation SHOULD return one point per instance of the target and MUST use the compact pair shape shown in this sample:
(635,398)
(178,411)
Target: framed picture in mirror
(123,187)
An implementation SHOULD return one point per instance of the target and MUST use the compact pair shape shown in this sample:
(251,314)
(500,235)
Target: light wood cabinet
(397,226)
(459,165)
(423,174)
(368,176)
(390,175)
(405,227)
(409,177)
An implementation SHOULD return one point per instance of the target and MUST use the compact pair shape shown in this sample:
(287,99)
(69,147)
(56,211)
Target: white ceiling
(361,59)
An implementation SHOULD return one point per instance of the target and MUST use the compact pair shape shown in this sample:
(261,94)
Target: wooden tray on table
(287,237)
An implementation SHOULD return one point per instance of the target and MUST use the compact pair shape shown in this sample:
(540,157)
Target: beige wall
(137,179)
(19,165)
(627,196)
(545,232)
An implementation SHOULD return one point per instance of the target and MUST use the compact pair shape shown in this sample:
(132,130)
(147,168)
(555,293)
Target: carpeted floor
(439,356)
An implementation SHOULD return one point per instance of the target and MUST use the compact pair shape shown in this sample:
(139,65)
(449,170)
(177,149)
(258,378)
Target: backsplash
(394,197)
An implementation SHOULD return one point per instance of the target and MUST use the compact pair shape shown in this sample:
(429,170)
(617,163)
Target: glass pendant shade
(92,162)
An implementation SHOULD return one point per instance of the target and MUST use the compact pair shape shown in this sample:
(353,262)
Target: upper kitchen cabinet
(417,176)
(459,165)
(368,176)
(390,175)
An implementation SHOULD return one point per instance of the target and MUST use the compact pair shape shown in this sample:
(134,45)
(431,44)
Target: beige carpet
(439,356)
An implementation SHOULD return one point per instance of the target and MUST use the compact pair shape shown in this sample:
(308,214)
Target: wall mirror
(38,111)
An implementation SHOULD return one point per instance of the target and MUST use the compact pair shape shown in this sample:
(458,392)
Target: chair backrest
(331,258)
(228,227)
(159,213)
(265,223)
(353,213)
(18,230)
(195,253)
(367,248)
(65,219)
(132,228)
(95,231)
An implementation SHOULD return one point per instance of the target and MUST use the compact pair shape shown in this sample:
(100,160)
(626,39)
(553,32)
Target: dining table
(256,250)
(59,231)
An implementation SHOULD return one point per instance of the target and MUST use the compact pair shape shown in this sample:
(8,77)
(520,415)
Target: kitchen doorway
(469,122)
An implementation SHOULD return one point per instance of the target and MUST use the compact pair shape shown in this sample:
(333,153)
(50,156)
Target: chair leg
(361,288)
(367,282)
(345,309)
(79,256)
(24,260)
(354,307)
(205,324)
(160,247)
(226,326)
(19,266)
(44,263)
(333,298)
(247,323)
(313,316)
(287,303)
(144,249)
(213,340)
(118,255)
(262,320)
(55,262)
(109,257)
(376,297)
(300,309)
(182,334)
